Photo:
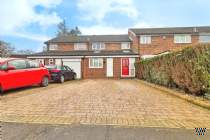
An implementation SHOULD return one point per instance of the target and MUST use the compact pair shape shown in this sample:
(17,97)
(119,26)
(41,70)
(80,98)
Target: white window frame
(53,47)
(207,35)
(145,39)
(125,45)
(182,38)
(96,62)
(98,46)
(80,46)
(51,61)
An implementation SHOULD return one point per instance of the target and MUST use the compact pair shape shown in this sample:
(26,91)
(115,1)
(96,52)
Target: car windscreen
(3,66)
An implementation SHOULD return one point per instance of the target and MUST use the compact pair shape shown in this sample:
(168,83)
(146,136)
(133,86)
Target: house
(93,56)
(156,41)
(101,56)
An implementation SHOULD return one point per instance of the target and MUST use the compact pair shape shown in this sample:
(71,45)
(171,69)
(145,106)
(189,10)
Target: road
(17,131)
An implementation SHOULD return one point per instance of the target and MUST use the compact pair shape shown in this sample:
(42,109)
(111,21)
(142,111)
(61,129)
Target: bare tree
(6,49)
(64,30)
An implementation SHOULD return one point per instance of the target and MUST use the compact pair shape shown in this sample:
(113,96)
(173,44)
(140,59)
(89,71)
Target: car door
(17,77)
(70,72)
(65,71)
(34,71)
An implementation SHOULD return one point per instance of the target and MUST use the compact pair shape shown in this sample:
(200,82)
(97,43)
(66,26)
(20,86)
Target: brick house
(96,56)
(100,56)
(155,41)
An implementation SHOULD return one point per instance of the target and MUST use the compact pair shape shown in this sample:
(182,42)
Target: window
(125,46)
(204,38)
(182,38)
(80,46)
(98,46)
(51,61)
(145,39)
(18,64)
(53,47)
(3,67)
(33,64)
(96,63)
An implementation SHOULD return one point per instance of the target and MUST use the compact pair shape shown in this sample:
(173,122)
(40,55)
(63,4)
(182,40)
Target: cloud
(18,14)
(105,29)
(98,9)
(35,37)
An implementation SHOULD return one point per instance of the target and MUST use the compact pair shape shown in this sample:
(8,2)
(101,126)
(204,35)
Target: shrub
(188,69)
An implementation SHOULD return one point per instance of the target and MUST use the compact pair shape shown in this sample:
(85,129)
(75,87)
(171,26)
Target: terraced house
(92,56)
(113,56)
(156,41)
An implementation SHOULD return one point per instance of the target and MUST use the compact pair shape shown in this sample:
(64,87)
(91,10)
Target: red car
(15,73)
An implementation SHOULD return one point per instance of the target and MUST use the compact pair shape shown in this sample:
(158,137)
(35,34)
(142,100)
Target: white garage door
(74,64)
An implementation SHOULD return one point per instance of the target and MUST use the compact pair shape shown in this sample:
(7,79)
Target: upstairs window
(204,38)
(182,39)
(125,46)
(53,47)
(80,46)
(98,46)
(145,39)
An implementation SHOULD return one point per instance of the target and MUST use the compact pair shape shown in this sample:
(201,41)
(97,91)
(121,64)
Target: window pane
(33,64)
(80,46)
(125,45)
(98,46)
(204,38)
(3,67)
(182,38)
(53,47)
(145,39)
(18,64)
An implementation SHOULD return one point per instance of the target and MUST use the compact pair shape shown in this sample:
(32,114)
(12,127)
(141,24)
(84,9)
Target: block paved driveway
(101,102)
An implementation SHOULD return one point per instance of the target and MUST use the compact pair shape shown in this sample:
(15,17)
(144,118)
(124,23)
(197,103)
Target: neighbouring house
(156,41)
(100,56)
(92,56)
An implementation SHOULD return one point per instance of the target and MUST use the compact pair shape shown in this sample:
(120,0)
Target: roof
(170,30)
(89,38)
(85,53)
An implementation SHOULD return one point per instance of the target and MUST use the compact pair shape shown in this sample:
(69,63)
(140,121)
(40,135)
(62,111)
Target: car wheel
(45,82)
(74,77)
(62,79)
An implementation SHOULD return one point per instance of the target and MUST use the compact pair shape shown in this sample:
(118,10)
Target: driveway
(102,102)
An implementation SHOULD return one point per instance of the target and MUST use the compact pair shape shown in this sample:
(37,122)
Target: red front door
(125,66)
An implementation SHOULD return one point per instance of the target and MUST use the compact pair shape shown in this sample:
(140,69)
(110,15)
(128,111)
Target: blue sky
(26,24)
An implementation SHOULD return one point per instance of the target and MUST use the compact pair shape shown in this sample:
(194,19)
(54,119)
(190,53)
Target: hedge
(188,69)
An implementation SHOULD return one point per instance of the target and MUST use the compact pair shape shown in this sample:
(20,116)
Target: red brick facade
(111,46)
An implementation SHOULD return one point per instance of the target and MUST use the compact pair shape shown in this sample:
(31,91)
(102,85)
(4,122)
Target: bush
(188,69)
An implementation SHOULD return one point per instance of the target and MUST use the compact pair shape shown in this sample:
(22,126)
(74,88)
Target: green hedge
(188,69)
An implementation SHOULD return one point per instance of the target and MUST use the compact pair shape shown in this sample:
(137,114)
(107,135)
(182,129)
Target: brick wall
(135,41)
(101,72)
(112,46)
(93,72)
(160,44)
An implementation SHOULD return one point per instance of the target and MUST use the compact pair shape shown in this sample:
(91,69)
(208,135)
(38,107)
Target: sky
(27,24)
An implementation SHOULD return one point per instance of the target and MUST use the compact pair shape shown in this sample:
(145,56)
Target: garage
(74,64)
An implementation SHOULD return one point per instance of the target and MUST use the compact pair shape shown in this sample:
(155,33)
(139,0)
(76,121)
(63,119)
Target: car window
(3,66)
(63,68)
(68,68)
(18,64)
(33,64)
